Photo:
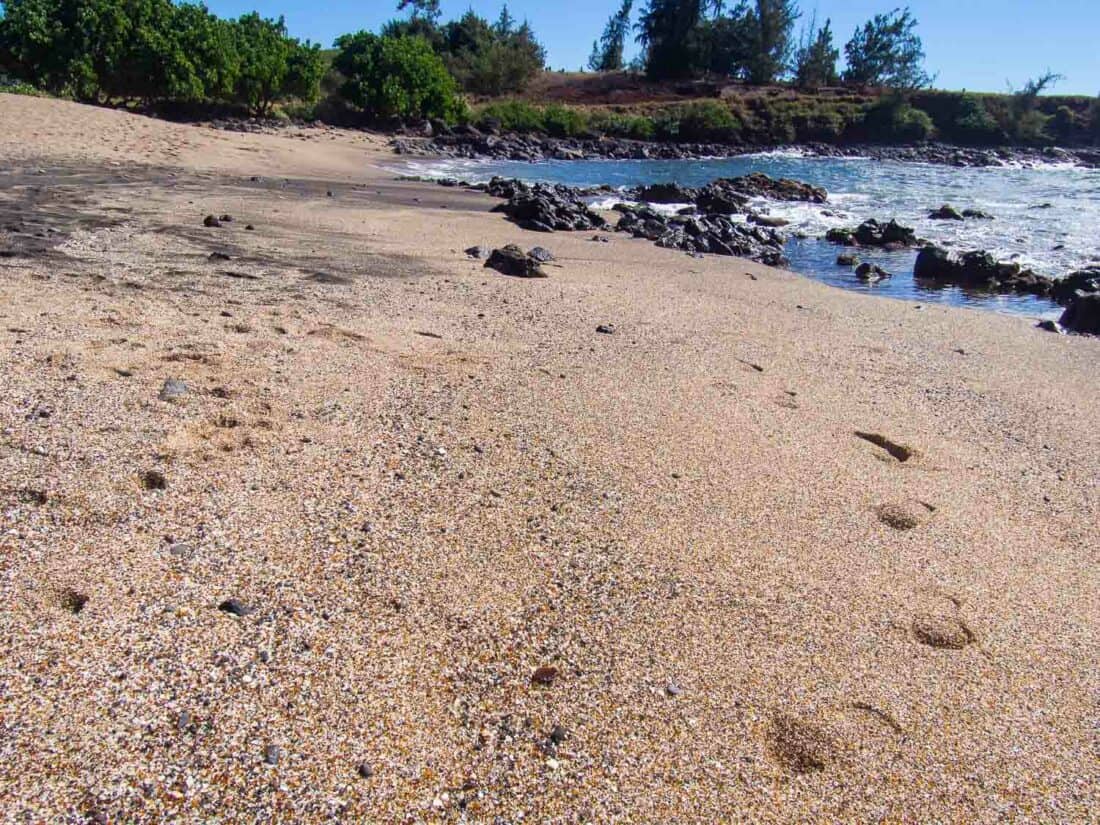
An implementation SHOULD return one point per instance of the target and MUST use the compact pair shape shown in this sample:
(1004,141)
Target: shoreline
(470,144)
(415,541)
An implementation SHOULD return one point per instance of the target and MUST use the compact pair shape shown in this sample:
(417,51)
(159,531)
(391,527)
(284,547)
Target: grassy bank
(778,115)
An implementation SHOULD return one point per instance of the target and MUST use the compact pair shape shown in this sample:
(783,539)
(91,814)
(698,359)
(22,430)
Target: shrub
(706,120)
(511,116)
(562,121)
(396,77)
(972,122)
(894,121)
(635,127)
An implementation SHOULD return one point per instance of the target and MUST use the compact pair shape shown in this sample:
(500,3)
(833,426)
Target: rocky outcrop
(1086,280)
(946,213)
(890,235)
(1082,314)
(469,142)
(544,208)
(729,196)
(977,270)
(713,234)
(950,213)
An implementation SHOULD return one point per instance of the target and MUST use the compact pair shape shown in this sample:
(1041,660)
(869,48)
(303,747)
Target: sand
(493,566)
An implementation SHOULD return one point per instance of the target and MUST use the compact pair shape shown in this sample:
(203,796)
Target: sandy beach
(412,542)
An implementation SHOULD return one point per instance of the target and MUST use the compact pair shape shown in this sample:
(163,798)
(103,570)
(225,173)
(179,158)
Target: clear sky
(981,45)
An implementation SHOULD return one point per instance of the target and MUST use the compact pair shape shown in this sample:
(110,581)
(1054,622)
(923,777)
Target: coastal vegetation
(707,71)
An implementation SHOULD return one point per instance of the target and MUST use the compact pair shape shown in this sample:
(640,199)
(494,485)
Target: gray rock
(477,252)
(945,213)
(172,389)
(272,754)
(606,329)
(541,254)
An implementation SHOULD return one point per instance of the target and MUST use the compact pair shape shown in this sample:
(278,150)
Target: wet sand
(769,552)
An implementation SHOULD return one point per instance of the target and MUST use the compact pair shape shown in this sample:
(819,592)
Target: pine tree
(771,52)
(607,54)
(815,61)
(887,51)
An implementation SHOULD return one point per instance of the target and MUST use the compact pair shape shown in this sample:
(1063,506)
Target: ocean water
(1045,217)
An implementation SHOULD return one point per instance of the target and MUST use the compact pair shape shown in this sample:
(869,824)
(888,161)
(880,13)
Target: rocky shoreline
(468,142)
(704,224)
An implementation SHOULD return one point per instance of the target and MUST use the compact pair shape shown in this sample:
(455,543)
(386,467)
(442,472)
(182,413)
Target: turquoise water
(1047,218)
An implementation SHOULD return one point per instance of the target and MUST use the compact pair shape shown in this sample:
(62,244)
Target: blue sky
(981,45)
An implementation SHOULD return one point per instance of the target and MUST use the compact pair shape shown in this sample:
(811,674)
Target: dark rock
(236,607)
(1082,314)
(272,754)
(1051,326)
(870,273)
(218,256)
(873,233)
(1085,280)
(945,213)
(364,770)
(172,390)
(768,220)
(977,269)
(225,218)
(511,260)
(544,208)
(715,234)
(977,214)
(665,193)
(540,254)
(210,221)
(250,227)
(477,251)
(606,329)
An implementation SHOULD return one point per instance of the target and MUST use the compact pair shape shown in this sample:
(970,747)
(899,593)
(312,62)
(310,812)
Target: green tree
(422,9)
(886,51)
(607,54)
(772,24)
(273,66)
(669,34)
(396,77)
(815,60)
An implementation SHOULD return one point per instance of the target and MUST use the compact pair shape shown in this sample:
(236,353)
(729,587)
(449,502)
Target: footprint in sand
(942,631)
(904,515)
(798,745)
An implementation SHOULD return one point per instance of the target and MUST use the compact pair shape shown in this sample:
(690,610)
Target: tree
(396,77)
(773,22)
(815,60)
(427,10)
(668,31)
(727,41)
(491,59)
(607,55)
(887,51)
(273,66)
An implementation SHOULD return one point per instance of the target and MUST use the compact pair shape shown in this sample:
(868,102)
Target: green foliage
(669,31)
(972,122)
(511,116)
(892,120)
(396,77)
(155,51)
(616,124)
(607,55)
(771,24)
(707,120)
(815,61)
(886,51)
(564,121)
